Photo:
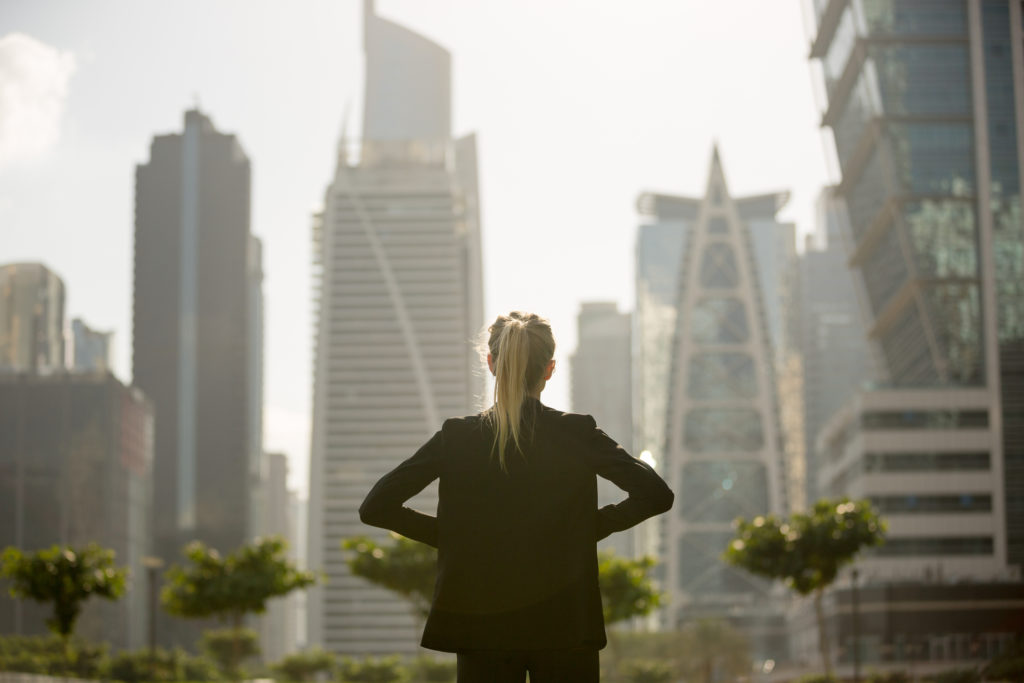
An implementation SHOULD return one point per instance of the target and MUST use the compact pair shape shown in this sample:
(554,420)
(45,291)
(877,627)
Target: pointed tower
(723,449)
(399,297)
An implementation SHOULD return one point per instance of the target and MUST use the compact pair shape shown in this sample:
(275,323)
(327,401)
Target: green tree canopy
(627,589)
(64,577)
(403,566)
(231,587)
(807,551)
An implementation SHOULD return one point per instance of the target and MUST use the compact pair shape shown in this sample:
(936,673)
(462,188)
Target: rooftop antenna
(343,139)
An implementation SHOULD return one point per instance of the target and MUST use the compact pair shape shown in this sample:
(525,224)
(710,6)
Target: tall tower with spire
(723,452)
(399,301)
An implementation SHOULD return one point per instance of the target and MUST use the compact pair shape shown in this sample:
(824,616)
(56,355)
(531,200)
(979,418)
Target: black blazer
(517,558)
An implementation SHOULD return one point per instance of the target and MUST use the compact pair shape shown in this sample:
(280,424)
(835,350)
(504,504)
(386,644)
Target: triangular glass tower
(723,453)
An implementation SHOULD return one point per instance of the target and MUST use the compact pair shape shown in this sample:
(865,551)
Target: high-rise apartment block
(399,304)
(31,318)
(600,382)
(197,337)
(76,455)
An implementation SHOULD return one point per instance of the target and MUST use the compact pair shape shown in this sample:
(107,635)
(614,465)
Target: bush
(646,671)
(955,676)
(219,645)
(304,666)
(890,677)
(46,655)
(370,670)
(816,678)
(433,670)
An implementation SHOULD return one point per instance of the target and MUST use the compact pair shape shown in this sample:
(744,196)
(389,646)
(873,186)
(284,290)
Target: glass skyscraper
(926,102)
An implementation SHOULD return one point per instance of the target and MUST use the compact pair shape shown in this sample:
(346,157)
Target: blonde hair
(521,345)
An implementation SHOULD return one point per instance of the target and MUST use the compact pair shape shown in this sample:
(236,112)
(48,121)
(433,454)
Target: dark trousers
(544,666)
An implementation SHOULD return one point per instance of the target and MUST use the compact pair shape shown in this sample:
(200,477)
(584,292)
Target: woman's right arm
(648,494)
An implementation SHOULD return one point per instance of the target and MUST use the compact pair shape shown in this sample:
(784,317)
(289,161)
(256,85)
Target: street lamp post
(856,630)
(152,565)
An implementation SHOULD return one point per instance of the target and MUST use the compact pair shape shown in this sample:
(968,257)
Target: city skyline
(520,104)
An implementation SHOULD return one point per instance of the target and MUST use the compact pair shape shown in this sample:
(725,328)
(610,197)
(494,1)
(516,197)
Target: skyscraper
(832,340)
(196,342)
(90,349)
(723,452)
(76,456)
(399,299)
(600,376)
(926,104)
(31,318)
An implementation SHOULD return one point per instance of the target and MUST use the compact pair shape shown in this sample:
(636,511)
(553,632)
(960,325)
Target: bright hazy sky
(578,106)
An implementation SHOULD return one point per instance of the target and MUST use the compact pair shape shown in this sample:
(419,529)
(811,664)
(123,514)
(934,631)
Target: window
(926,462)
(709,430)
(720,321)
(718,267)
(723,491)
(913,504)
(721,375)
(920,419)
(943,545)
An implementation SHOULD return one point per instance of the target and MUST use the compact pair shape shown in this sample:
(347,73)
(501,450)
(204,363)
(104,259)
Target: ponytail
(521,344)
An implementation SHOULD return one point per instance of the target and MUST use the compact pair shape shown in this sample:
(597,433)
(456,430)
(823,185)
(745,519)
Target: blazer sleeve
(647,493)
(384,504)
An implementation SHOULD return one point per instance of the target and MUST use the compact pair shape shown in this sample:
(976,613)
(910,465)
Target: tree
(808,551)
(228,647)
(711,649)
(65,577)
(627,590)
(404,566)
(231,587)
(304,666)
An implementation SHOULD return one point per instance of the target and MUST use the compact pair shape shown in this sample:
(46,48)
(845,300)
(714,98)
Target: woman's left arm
(384,504)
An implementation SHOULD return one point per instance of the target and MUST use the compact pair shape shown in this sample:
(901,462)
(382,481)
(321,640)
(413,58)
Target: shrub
(370,670)
(433,670)
(955,676)
(646,671)
(304,666)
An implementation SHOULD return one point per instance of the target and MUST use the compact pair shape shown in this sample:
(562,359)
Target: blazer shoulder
(461,426)
(579,423)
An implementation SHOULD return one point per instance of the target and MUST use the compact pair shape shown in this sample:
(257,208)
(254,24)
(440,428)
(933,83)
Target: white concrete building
(399,300)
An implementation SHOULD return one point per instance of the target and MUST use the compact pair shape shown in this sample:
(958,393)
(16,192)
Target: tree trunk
(236,646)
(822,634)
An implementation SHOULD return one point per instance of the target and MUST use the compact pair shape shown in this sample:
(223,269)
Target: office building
(399,304)
(832,336)
(925,104)
(277,627)
(76,454)
(197,349)
(723,453)
(90,349)
(31,318)
(600,385)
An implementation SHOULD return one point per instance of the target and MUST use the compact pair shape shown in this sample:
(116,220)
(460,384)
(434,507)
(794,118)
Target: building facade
(926,102)
(197,350)
(601,385)
(76,455)
(399,304)
(834,352)
(90,349)
(31,318)
(724,451)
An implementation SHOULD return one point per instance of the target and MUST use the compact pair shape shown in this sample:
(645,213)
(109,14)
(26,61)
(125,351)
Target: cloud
(34,81)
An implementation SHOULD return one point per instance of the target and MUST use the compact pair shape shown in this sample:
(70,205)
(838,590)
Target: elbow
(663,502)
(370,514)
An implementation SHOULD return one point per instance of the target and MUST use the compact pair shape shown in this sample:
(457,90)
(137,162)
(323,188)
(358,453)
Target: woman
(517,521)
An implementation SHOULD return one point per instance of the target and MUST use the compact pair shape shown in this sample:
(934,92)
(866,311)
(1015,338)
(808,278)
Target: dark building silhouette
(197,337)
(75,463)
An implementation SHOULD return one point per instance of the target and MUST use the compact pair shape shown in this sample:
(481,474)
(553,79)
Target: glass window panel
(934,158)
(924,419)
(942,545)
(709,430)
(937,17)
(718,267)
(839,49)
(720,321)
(907,355)
(718,225)
(723,491)
(954,309)
(721,375)
(923,79)
(702,570)
(885,270)
(915,504)
(926,462)
(944,238)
